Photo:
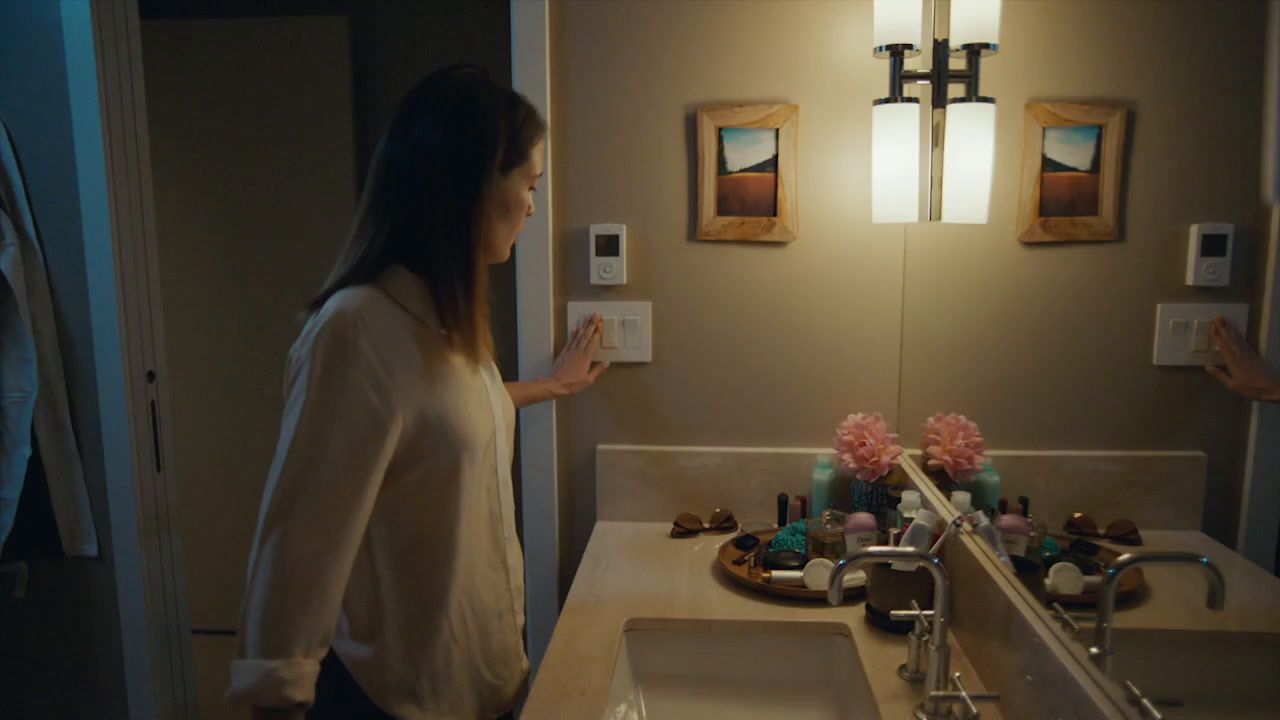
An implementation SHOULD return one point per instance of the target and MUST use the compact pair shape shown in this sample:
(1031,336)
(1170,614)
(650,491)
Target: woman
(386,579)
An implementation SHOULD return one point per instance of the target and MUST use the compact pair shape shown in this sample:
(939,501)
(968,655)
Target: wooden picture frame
(742,193)
(1072,167)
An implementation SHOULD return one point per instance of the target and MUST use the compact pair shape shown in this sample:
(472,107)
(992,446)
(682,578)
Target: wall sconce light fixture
(963,129)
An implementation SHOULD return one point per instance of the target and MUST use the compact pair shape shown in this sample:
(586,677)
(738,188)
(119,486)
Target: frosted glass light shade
(897,22)
(975,21)
(895,162)
(968,159)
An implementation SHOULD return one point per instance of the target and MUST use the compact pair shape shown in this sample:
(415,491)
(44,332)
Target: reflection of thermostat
(608,254)
(1209,254)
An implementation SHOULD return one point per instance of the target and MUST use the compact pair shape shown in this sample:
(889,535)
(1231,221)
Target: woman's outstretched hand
(1246,372)
(576,369)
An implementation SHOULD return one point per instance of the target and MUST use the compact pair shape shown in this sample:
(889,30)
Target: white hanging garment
(33,390)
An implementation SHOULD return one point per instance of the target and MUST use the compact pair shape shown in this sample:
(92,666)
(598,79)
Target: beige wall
(1046,347)
(253,163)
(754,343)
(1050,347)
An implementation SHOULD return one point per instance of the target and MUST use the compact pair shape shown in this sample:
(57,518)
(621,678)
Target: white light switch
(1182,331)
(627,335)
(631,333)
(609,332)
(1200,336)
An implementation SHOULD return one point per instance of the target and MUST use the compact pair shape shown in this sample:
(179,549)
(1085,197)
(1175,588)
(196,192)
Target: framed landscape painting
(1071,173)
(747,173)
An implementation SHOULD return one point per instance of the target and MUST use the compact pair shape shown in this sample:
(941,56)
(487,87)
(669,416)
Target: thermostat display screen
(608,245)
(1213,245)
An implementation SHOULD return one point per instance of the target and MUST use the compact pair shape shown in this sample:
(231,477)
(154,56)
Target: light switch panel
(1182,331)
(628,329)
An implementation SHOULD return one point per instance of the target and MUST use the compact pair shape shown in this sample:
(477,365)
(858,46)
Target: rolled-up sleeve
(338,433)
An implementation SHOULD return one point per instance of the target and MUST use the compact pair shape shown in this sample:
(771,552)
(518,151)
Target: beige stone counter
(1174,596)
(633,570)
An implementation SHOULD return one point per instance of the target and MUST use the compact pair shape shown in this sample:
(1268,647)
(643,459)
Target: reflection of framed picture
(1071,171)
(747,173)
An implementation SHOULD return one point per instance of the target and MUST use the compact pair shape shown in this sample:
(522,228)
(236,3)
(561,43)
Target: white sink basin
(738,670)
(1206,674)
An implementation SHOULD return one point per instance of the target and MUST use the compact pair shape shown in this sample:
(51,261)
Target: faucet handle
(1142,701)
(958,694)
(915,613)
(1067,622)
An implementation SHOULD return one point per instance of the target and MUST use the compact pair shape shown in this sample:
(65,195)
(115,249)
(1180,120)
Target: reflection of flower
(954,444)
(866,446)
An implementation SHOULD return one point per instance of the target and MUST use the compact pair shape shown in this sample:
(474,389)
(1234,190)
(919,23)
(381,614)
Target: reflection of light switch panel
(627,335)
(1182,331)
(1200,335)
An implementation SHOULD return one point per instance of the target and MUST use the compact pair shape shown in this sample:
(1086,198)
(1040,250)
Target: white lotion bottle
(919,536)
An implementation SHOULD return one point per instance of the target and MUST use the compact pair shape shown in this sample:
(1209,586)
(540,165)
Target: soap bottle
(962,502)
(986,489)
(908,508)
(1039,529)
(824,481)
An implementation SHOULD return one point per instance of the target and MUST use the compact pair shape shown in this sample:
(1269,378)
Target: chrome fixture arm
(1102,650)
(939,668)
(941,76)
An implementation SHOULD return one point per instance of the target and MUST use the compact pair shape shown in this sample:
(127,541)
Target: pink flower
(953,443)
(865,445)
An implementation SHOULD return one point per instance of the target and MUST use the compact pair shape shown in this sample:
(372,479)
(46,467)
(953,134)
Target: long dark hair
(453,135)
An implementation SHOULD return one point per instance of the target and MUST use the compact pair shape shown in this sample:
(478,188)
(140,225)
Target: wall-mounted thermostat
(1209,254)
(608,254)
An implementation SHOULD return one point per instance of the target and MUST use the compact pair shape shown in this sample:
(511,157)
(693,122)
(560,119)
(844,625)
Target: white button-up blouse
(387,526)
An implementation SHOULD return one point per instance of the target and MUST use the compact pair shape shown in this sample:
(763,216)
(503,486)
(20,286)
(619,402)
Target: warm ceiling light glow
(897,22)
(968,160)
(975,21)
(895,162)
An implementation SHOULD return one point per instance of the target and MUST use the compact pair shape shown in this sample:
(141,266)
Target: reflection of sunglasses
(1121,531)
(687,524)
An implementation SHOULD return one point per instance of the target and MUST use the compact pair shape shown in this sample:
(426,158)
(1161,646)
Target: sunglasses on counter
(1121,530)
(687,524)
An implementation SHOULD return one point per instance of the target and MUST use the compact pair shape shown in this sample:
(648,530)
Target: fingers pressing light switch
(626,329)
(1183,334)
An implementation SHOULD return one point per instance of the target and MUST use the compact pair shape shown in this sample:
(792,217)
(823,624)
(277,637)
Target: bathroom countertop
(633,570)
(1176,595)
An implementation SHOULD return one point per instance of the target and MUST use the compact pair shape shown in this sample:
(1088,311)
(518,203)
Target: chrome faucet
(1102,651)
(938,675)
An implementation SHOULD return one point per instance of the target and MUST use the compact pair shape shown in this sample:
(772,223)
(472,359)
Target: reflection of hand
(1246,372)
(575,369)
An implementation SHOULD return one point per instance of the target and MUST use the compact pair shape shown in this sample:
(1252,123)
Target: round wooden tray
(1130,582)
(741,574)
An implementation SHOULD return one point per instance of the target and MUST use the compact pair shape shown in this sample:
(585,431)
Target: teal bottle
(986,489)
(824,482)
